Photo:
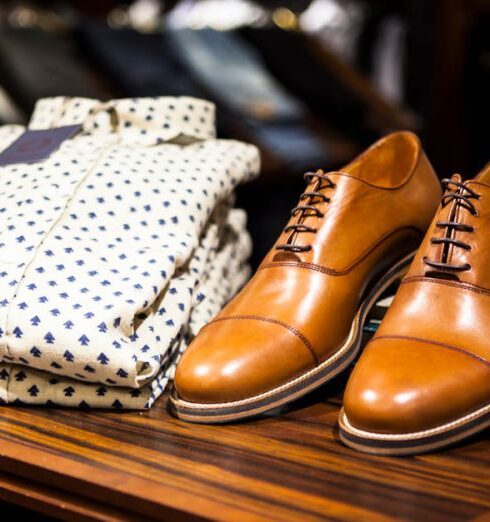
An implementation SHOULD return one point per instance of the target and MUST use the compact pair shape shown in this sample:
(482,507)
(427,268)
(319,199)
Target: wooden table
(93,465)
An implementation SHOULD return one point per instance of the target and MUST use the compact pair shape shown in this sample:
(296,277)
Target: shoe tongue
(457,178)
(484,175)
(286,256)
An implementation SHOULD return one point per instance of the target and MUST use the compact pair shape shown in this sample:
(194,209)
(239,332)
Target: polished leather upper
(298,308)
(429,362)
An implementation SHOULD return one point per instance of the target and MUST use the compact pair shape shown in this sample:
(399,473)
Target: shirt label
(37,145)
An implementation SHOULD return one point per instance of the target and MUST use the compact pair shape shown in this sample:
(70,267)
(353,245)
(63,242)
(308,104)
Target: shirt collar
(179,119)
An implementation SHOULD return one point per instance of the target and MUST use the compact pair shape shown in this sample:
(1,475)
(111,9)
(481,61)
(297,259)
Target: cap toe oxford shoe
(298,322)
(423,382)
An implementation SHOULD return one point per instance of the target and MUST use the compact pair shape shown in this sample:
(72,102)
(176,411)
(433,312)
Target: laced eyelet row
(463,196)
(304,211)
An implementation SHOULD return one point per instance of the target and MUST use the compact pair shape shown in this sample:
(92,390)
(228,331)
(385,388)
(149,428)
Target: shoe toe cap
(236,359)
(410,385)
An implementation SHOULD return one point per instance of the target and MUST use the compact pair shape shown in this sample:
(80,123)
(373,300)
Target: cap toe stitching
(435,343)
(293,330)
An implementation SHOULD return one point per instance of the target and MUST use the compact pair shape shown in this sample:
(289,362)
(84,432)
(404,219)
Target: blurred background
(311,83)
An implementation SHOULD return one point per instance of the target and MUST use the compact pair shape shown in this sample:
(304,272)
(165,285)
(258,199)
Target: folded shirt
(105,244)
(215,273)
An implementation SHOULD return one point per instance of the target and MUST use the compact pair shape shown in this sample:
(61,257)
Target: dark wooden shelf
(93,465)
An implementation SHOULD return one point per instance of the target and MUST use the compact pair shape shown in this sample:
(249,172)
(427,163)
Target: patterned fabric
(116,249)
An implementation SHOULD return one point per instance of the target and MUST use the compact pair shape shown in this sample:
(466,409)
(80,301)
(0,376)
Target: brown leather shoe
(298,322)
(423,382)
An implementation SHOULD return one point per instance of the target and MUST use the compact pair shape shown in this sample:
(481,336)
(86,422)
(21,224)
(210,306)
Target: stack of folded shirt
(116,249)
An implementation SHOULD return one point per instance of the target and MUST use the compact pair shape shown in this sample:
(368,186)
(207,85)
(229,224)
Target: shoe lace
(311,199)
(462,195)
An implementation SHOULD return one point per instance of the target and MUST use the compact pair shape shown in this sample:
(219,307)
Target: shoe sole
(212,413)
(414,443)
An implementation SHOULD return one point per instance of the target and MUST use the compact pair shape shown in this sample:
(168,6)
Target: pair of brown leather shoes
(424,379)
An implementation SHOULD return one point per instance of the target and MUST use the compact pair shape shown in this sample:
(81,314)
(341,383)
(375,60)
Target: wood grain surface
(98,465)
